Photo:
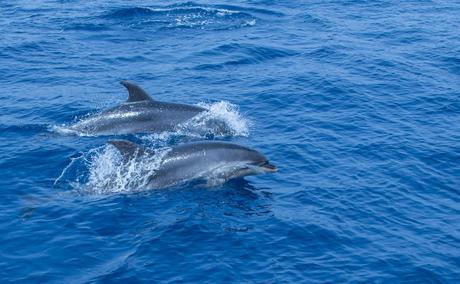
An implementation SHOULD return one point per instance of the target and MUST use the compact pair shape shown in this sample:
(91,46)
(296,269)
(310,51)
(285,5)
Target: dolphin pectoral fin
(127,149)
(136,93)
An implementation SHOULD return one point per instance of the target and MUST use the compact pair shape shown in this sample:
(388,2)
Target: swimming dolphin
(139,114)
(216,161)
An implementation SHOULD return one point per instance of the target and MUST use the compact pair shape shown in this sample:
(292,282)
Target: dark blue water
(356,102)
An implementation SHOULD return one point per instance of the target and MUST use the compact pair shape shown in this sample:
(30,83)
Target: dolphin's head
(260,163)
(253,164)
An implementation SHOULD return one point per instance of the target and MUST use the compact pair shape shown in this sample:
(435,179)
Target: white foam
(61,129)
(221,119)
(65,129)
(109,173)
(219,12)
(104,171)
(250,23)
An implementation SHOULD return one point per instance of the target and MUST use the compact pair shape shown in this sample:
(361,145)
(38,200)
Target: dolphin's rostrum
(207,159)
(139,114)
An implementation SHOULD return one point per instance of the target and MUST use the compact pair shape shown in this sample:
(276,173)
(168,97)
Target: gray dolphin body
(216,160)
(139,114)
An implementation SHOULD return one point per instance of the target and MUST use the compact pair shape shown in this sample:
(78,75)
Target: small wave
(186,15)
(246,54)
(25,129)
(95,27)
(192,10)
(258,11)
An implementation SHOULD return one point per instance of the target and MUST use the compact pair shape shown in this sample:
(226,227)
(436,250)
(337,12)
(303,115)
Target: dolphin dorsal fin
(127,148)
(136,94)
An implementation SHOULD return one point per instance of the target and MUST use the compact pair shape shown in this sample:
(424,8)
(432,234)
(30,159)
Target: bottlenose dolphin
(215,161)
(139,114)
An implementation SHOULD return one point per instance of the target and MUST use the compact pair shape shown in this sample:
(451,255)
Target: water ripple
(356,101)
(240,54)
(188,15)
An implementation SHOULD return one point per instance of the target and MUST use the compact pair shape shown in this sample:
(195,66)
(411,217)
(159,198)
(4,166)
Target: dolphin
(139,114)
(216,162)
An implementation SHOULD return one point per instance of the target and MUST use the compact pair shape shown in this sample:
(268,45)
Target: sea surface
(356,102)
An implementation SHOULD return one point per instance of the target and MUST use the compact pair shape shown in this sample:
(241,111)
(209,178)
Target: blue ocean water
(356,102)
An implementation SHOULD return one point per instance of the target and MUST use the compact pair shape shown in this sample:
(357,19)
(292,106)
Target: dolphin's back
(208,146)
(140,113)
(145,116)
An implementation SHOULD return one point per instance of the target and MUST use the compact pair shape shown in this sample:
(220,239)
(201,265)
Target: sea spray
(103,170)
(221,119)
(110,172)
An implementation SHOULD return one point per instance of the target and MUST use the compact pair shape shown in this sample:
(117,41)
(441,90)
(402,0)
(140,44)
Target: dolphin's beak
(269,168)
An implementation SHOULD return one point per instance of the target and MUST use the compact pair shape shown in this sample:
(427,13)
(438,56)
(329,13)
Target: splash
(103,170)
(109,173)
(221,119)
(70,129)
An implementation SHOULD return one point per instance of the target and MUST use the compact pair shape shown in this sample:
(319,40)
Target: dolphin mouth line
(269,167)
